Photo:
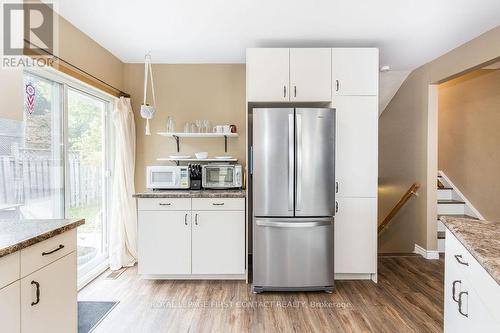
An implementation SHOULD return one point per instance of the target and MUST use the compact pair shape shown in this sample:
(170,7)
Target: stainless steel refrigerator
(293,186)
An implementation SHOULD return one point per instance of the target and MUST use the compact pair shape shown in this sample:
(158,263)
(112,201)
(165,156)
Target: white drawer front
(218,204)
(9,269)
(164,204)
(43,253)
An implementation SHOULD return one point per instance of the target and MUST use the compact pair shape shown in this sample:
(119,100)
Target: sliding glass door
(54,161)
(32,155)
(86,165)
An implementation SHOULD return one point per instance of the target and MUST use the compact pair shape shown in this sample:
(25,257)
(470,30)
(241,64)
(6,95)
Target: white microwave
(167,177)
(222,176)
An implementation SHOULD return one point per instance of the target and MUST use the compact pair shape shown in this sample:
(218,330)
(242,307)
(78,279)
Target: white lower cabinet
(41,294)
(355,236)
(48,298)
(208,242)
(218,242)
(164,242)
(10,314)
(471,296)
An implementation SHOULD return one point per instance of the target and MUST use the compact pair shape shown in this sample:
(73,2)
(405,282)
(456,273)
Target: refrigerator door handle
(290,162)
(299,163)
(277,224)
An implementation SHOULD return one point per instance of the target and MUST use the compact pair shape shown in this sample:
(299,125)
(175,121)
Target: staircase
(450,203)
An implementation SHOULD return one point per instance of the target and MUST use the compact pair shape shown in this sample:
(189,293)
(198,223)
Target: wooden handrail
(411,191)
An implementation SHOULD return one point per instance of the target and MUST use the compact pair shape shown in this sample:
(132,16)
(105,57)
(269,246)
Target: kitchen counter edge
(192,194)
(66,225)
(480,238)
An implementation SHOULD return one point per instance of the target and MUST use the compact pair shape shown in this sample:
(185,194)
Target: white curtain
(123,226)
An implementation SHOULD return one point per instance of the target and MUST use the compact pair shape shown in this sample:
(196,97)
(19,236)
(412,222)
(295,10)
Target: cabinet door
(356,235)
(310,75)
(10,311)
(55,309)
(219,242)
(480,318)
(268,75)
(356,158)
(355,71)
(164,242)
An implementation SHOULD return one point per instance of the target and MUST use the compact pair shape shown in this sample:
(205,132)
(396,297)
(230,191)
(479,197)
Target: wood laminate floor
(407,298)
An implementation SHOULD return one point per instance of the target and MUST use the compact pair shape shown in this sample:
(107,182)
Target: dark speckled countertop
(481,239)
(192,194)
(19,234)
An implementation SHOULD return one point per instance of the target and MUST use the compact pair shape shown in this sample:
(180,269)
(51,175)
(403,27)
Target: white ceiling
(409,33)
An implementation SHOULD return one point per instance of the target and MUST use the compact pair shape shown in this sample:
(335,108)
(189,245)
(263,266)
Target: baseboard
(353,276)
(427,254)
(193,276)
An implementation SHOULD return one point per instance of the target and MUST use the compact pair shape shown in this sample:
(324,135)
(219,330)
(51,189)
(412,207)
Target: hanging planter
(147,111)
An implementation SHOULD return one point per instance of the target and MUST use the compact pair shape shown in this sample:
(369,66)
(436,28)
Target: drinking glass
(206,126)
(187,127)
(170,124)
(198,126)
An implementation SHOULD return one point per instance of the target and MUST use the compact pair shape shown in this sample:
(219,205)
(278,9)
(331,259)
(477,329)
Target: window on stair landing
(54,161)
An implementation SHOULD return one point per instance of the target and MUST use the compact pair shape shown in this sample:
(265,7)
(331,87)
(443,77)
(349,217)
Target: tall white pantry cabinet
(347,80)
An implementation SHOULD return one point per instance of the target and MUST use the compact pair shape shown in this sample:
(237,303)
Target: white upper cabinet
(355,71)
(268,74)
(356,158)
(310,74)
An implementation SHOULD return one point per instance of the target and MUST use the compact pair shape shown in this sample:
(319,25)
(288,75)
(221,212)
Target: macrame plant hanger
(147,111)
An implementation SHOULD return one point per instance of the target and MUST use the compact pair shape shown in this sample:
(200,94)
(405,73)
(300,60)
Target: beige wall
(408,148)
(188,92)
(82,51)
(11,94)
(74,47)
(469,138)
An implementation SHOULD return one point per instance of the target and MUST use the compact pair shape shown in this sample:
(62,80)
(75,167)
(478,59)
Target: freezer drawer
(293,254)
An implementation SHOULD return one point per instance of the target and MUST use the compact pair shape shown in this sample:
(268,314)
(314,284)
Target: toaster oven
(221,176)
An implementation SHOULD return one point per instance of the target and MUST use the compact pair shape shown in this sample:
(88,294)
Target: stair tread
(441,234)
(458,215)
(450,202)
(445,188)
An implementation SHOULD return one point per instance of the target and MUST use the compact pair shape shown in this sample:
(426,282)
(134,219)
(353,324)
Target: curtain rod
(122,93)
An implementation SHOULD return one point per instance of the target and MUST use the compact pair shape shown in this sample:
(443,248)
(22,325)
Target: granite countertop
(192,194)
(481,239)
(18,234)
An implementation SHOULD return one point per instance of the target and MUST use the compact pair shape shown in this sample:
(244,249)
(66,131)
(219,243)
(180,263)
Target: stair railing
(404,199)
